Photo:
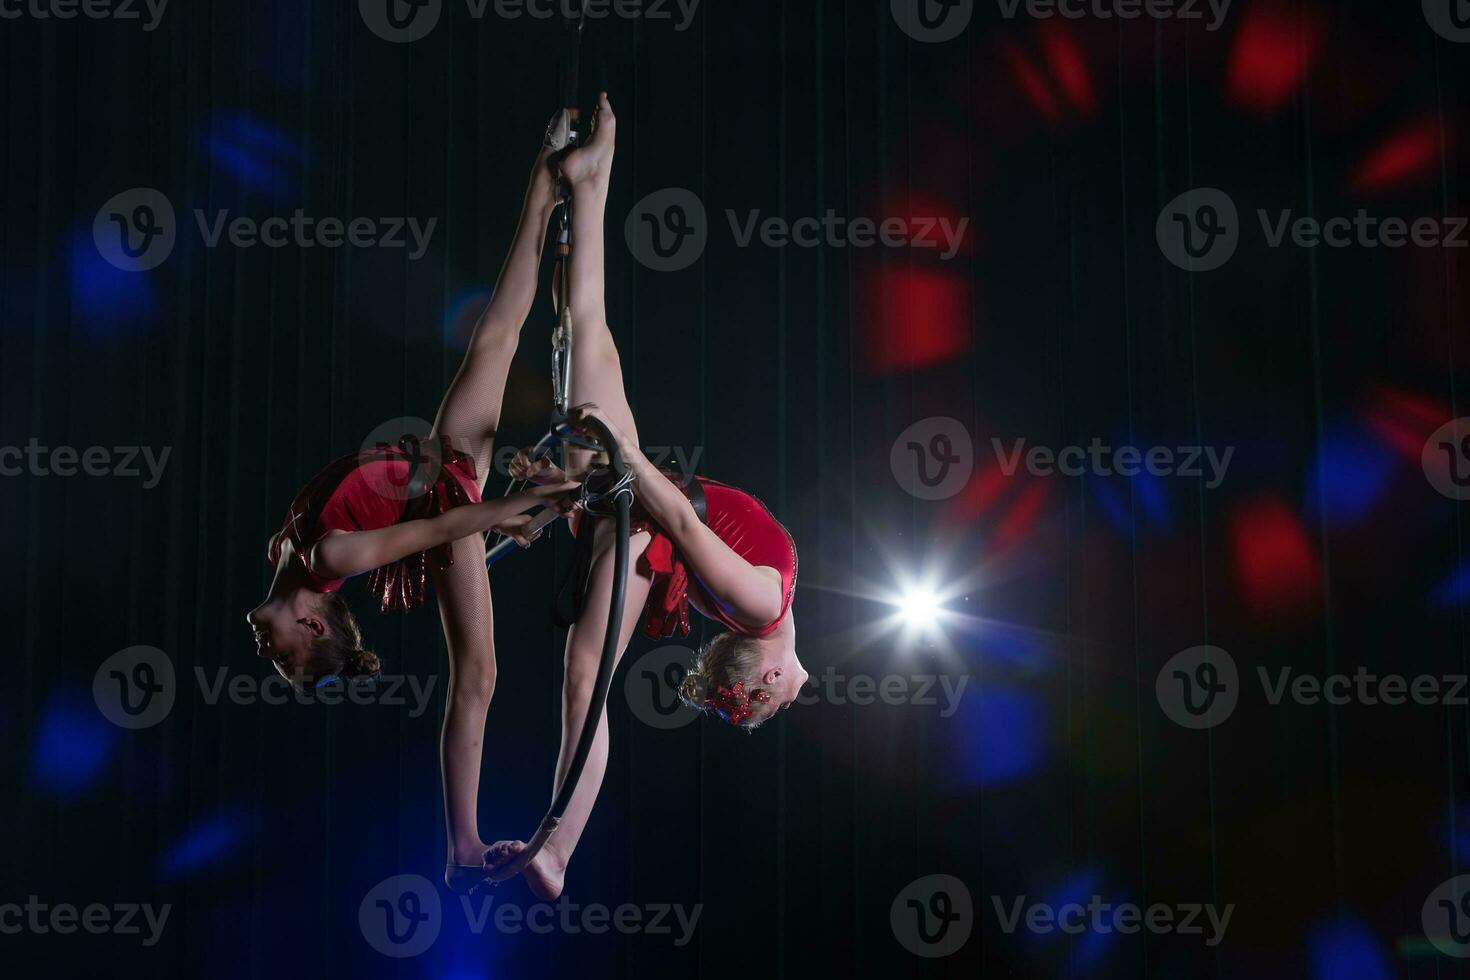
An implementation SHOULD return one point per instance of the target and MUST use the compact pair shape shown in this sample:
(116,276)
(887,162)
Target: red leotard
(742,522)
(371,489)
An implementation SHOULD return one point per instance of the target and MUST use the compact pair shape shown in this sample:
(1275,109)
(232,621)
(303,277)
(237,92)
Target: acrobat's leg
(583,654)
(469,416)
(597,371)
(463,590)
(470,412)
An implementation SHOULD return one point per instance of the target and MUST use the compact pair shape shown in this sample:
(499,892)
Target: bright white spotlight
(919,607)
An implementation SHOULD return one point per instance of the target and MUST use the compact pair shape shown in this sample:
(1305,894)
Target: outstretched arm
(345,554)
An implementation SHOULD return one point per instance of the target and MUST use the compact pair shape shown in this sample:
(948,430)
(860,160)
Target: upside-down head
(744,680)
(309,636)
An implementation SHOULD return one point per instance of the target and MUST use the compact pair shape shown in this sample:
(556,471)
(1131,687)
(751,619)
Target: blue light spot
(1076,890)
(203,844)
(1112,504)
(106,301)
(1347,475)
(1018,645)
(1346,949)
(1001,737)
(1454,590)
(1148,490)
(72,744)
(1090,948)
(257,154)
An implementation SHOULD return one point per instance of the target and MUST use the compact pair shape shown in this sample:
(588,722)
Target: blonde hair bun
(694,689)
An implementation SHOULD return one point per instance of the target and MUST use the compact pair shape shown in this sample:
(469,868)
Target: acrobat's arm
(349,553)
(751,593)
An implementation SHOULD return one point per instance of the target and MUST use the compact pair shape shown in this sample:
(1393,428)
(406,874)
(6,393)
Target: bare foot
(467,855)
(592,161)
(542,875)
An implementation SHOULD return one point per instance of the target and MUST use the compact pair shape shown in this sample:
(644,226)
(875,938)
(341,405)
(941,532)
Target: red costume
(378,488)
(742,522)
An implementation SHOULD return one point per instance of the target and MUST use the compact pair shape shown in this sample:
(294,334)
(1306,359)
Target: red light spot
(922,319)
(983,490)
(1403,420)
(1033,85)
(1273,52)
(1411,153)
(1023,515)
(1275,566)
(1064,57)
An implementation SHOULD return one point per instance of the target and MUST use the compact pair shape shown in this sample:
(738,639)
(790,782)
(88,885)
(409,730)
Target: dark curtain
(792,371)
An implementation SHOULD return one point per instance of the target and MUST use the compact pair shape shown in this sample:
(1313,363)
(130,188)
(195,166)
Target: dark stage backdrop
(1052,736)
